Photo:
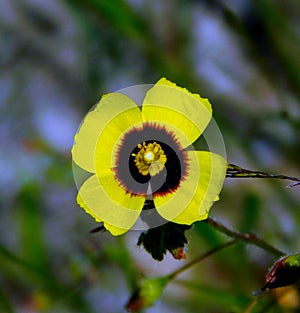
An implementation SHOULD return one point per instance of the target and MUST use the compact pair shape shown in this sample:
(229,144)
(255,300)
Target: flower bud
(285,272)
(147,294)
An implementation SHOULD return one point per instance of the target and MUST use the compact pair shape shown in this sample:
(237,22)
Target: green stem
(245,237)
(199,259)
(234,171)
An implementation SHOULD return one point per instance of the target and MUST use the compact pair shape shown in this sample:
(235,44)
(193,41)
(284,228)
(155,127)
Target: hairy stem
(245,237)
(234,171)
(199,259)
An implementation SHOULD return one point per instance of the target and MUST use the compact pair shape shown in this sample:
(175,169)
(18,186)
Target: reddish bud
(285,272)
(178,253)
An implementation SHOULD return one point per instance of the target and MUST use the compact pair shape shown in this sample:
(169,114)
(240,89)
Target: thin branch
(245,237)
(199,259)
(234,171)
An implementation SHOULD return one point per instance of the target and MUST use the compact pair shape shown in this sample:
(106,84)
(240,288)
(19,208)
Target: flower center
(150,156)
(150,159)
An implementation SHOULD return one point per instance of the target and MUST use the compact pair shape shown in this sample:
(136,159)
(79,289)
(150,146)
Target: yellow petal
(111,137)
(186,114)
(107,202)
(111,106)
(196,194)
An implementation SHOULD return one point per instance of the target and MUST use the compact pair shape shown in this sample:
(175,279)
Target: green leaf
(250,213)
(5,304)
(217,298)
(31,226)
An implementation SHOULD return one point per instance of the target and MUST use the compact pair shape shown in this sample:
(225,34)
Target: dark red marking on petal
(169,179)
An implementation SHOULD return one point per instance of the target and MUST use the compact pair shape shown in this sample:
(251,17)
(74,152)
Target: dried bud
(178,253)
(285,272)
(168,237)
(147,294)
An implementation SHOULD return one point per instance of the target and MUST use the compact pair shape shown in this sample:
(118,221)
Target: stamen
(150,159)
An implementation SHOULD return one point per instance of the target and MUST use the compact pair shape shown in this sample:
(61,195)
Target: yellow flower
(143,153)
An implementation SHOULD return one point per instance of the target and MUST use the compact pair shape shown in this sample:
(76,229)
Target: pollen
(150,158)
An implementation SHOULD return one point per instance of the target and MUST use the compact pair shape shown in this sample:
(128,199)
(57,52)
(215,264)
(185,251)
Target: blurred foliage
(57,58)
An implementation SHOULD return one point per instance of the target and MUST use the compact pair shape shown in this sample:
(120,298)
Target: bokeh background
(57,57)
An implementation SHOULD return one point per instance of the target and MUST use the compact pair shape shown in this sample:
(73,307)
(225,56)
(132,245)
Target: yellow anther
(150,159)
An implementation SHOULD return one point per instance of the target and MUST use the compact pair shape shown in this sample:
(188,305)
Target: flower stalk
(150,289)
(200,258)
(245,237)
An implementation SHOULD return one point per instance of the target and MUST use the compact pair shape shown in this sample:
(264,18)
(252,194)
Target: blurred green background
(57,57)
